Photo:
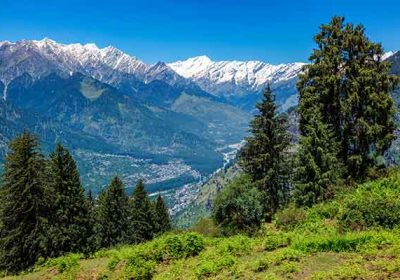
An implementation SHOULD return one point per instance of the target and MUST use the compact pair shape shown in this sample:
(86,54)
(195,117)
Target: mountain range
(240,82)
(171,124)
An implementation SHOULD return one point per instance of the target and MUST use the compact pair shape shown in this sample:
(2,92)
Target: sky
(274,31)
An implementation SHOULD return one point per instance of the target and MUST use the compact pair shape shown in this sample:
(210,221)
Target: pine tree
(24,212)
(162,220)
(264,157)
(142,215)
(70,209)
(352,85)
(90,199)
(91,242)
(318,167)
(112,215)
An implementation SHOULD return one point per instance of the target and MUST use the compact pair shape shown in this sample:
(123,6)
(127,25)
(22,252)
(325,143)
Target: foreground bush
(141,260)
(374,204)
(238,208)
(289,217)
(349,242)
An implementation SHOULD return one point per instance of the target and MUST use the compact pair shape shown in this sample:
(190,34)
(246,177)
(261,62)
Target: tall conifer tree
(112,215)
(162,220)
(142,215)
(352,85)
(264,157)
(91,244)
(318,167)
(24,212)
(70,209)
(90,199)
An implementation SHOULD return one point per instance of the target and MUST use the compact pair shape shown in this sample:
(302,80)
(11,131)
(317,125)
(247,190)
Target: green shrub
(238,207)
(290,217)
(344,243)
(113,262)
(288,268)
(235,245)
(285,259)
(64,263)
(142,259)
(140,269)
(276,240)
(271,276)
(341,272)
(180,246)
(213,265)
(261,265)
(284,255)
(105,253)
(374,204)
(325,210)
(193,244)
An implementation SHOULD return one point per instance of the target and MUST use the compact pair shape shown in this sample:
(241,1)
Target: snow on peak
(91,46)
(44,42)
(192,66)
(85,58)
(234,77)
(387,55)
(221,78)
(203,59)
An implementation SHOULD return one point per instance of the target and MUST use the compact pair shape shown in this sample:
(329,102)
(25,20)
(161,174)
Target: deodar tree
(350,83)
(265,155)
(24,211)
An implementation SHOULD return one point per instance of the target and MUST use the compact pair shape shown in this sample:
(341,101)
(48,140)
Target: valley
(174,125)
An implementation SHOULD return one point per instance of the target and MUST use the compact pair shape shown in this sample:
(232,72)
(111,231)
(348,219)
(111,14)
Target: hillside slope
(354,236)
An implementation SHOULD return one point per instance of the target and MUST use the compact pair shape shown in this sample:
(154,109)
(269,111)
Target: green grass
(314,243)
(371,254)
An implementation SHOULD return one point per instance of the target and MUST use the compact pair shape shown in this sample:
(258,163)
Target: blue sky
(167,30)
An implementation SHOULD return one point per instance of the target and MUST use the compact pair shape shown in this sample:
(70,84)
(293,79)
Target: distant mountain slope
(97,109)
(14,121)
(394,58)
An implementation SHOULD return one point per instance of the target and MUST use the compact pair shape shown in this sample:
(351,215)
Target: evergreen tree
(162,220)
(70,217)
(318,166)
(91,243)
(90,199)
(142,215)
(352,85)
(264,157)
(24,212)
(112,215)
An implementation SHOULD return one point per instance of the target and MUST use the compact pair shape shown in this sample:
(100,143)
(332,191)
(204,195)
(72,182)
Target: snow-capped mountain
(388,55)
(38,58)
(241,81)
(109,64)
(238,82)
(234,78)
